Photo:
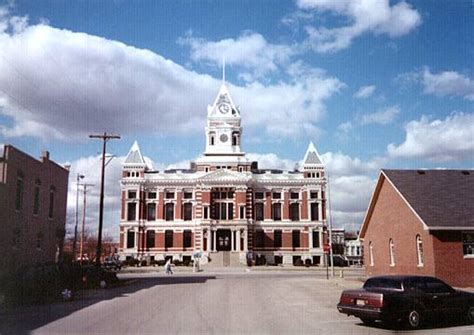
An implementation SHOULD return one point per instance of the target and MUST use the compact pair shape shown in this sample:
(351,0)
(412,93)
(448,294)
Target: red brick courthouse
(223,205)
(422,222)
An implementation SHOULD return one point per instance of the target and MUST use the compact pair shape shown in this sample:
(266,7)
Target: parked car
(44,282)
(412,300)
(94,276)
(112,263)
(339,260)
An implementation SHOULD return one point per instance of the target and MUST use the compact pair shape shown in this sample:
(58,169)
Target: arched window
(295,211)
(169,211)
(371,253)
(187,211)
(419,251)
(36,201)
(391,247)
(19,191)
(52,191)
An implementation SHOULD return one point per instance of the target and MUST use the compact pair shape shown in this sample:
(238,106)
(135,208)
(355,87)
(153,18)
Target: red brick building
(33,196)
(223,206)
(421,222)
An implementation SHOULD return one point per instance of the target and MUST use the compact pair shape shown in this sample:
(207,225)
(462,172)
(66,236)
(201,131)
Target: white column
(245,240)
(214,240)
(310,239)
(208,246)
(238,240)
(321,238)
(320,211)
(232,240)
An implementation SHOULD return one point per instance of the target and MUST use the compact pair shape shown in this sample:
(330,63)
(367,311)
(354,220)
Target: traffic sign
(326,248)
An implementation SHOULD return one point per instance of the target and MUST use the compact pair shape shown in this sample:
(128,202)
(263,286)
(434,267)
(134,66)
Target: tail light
(346,299)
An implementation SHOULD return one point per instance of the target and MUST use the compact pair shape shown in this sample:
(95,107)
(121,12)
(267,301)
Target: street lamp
(104,137)
(81,250)
(79,176)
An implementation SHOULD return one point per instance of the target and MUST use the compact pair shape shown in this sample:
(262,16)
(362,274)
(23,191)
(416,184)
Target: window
(295,238)
(39,241)
(259,195)
(371,253)
(151,212)
(223,211)
(314,211)
(168,238)
(150,238)
(313,195)
(211,140)
(151,195)
(242,212)
(169,212)
(52,191)
(206,212)
(277,239)
(468,244)
(188,195)
(391,247)
(188,211)
(19,192)
(130,239)
(276,212)
(294,212)
(259,211)
(187,239)
(36,203)
(259,238)
(419,251)
(316,239)
(230,211)
(131,211)
(276,195)
(294,195)
(169,195)
(234,139)
(132,194)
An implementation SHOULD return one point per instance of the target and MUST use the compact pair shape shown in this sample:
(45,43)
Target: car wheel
(103,283)
(414,319)
(66,294)
(367,322)
(470,315)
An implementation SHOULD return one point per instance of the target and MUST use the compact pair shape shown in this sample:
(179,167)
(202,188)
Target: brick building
(33,195)
(421,222)
(223,206)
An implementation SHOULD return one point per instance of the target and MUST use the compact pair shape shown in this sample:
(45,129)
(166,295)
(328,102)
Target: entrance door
(223,240)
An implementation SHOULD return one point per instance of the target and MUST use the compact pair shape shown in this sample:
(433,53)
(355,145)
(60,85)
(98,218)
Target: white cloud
(364,16)
(451,139)
(61,84)
(272,161)
(447,83)
(339,164)
(384,116)
(365,92)
(250,51)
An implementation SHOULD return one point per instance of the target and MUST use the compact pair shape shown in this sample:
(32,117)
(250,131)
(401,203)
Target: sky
(374,84)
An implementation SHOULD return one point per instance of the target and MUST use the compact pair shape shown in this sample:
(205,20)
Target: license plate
(360,302)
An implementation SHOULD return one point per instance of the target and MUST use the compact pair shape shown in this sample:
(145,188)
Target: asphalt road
(270,302)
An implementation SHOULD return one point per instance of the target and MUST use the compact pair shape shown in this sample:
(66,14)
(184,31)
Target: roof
(312,157)
(134,155)
(442,199)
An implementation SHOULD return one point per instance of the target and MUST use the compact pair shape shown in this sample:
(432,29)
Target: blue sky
(372,83)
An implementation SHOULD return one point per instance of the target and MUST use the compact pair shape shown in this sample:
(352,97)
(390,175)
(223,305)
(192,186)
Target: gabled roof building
(223,206)
(421,222)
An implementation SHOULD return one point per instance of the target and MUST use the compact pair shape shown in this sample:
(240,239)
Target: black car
(94,277)
(408,299)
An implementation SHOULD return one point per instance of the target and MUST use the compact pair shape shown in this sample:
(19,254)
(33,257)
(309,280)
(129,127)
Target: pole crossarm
(105,138)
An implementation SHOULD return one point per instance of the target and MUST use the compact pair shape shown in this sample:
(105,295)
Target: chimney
(45,155)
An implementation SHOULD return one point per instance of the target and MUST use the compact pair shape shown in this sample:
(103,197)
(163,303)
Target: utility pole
(104,137)
(330,227)
(83,220)
(79,176)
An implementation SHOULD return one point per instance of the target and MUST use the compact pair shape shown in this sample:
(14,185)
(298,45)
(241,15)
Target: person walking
(168,269)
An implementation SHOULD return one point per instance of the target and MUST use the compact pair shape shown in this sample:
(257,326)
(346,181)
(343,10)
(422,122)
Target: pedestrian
(168,269)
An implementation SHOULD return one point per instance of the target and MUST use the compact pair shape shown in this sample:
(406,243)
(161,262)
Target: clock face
(224,138)
(224,108)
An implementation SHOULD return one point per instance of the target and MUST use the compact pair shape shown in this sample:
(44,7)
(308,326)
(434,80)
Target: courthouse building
(223,207)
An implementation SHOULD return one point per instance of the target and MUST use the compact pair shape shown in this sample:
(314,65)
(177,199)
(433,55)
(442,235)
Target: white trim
(452,228)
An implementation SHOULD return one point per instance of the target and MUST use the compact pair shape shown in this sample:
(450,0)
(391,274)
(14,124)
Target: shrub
(177,262)
(307,262)
(143,263)
(299,262)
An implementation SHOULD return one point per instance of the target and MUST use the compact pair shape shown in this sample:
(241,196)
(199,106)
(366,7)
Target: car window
(436,286)
(383,283)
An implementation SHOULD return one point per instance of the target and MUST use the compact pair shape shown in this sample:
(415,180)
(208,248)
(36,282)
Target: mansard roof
(135,156)
(312,156)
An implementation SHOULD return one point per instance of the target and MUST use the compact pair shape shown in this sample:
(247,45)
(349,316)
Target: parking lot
(218,302)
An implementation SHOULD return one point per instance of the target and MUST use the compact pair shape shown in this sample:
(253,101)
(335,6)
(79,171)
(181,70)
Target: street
(219,302)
